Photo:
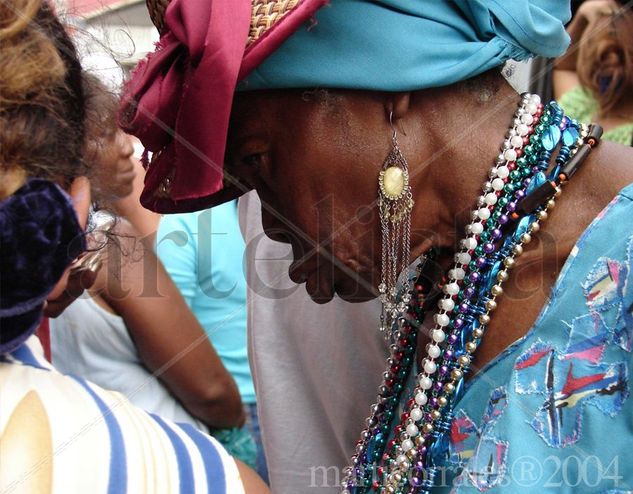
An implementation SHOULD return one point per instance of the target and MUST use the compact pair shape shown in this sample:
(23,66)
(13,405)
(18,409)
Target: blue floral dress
(552,413)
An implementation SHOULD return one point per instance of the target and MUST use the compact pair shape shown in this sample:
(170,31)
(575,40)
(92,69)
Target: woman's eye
(253,160)
(249,168)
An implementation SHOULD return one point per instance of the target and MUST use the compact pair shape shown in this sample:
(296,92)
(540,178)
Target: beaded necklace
(513,203)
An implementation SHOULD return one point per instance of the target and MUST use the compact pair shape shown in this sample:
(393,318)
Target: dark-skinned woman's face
(314,159)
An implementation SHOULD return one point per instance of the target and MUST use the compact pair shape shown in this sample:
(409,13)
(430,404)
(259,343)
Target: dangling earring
(395,203)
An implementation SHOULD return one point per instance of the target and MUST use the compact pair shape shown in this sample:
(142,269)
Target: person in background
(203,253)
(593,81)
(118,171)
(58,433)
(122,334)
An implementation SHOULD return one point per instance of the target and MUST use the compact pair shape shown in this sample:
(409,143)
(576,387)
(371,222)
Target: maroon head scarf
(178,100)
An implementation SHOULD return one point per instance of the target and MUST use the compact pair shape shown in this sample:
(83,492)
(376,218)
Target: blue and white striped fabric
(62,434)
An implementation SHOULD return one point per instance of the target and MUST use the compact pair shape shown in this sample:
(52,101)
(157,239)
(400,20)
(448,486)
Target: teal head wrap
(401,45)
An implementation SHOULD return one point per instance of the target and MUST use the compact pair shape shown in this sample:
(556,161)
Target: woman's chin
(322,290)
(357,298)
(355,292)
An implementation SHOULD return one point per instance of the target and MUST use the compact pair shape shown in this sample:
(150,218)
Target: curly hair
(101,112)
(605,59)
(42,108)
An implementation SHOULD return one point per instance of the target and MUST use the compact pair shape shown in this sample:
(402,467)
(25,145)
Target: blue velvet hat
(39,237)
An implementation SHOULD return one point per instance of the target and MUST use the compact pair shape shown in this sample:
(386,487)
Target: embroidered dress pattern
(554,397)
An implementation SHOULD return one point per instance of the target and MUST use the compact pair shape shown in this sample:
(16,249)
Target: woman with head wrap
(377,133)
(59,433)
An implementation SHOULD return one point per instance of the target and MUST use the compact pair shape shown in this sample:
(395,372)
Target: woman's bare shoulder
(614,163)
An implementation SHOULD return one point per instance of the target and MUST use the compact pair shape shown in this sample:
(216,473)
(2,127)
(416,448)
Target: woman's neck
(457,146)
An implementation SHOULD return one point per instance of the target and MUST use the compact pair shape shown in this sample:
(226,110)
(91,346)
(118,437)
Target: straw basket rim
(264,15)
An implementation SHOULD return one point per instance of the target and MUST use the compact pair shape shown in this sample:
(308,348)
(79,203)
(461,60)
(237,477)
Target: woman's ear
(79,192)
(397,105)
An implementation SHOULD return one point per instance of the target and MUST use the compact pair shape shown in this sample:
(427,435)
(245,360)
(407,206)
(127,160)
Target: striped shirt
(62,434)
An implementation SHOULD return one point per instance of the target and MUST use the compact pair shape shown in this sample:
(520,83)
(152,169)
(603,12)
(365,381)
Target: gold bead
(508,262)
(449,388)
(542,215)
(442,400)
(464,360)
(558,192)
(456,374)
(419,440)
(502,276)
(435,415)
(427,428)
(484,319)
(535,227)
(526,238)
(471,347)
(496,290)
(550,204)
(491,305)
(411,454)
(478,333)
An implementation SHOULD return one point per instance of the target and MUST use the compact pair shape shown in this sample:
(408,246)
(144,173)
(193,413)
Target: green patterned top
(580,104)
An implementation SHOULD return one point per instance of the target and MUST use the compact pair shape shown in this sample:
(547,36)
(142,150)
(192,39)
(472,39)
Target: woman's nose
(125,145)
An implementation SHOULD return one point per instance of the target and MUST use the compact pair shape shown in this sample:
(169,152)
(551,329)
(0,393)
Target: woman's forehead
(263,102)
(256,110)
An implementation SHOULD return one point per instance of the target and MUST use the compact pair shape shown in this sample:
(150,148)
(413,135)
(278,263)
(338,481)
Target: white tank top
(92,343)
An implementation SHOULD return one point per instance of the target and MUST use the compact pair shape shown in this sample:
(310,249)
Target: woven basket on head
(156,9)
(264,14)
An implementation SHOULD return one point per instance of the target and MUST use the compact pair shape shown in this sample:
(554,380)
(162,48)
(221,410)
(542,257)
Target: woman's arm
(169,339)
(252,482)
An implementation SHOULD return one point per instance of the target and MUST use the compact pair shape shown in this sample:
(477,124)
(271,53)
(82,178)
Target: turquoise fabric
(239,443)
(398,45)
(552,413)
(203,254)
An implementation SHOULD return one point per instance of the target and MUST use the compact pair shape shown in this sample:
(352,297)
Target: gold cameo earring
(395,203)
